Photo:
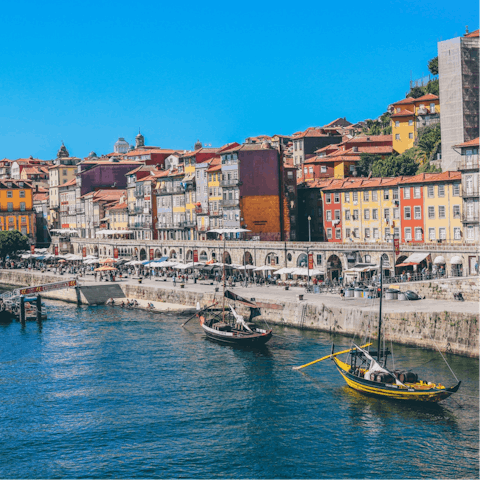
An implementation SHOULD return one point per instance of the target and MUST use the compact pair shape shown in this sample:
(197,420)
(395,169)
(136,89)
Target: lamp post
(309,232)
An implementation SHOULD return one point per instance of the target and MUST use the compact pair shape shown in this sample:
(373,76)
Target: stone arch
(289,257)
(334,267)
(302,260)
(203,257)
(143,254)
(173,254)
(227,259)
(272,256)
(247,258)
(214,256)
(158,253)
(189,257)
(164,251)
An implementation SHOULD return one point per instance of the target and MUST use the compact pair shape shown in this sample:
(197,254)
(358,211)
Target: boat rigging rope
(436,346)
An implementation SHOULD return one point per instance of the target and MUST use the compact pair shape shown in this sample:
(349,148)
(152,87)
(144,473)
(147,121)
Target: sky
(88,72)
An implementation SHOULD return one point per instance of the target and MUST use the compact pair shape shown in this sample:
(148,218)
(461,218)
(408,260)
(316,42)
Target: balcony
(215,213)
(230,182)
(470,192)
(470,218)
(190,223)
(137,209)
(143,225)
(231,202)
(469,163)
(168,191)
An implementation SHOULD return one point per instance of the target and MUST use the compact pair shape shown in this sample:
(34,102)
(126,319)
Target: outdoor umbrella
(105,269)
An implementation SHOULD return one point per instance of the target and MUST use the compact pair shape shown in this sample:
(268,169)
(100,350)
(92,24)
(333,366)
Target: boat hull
(413,393)
(234,338)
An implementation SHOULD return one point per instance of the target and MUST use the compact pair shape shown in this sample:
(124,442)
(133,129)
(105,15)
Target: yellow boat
(371,376)
(374,379)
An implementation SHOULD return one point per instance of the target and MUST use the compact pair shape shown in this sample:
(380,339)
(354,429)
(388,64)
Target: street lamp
(309,232)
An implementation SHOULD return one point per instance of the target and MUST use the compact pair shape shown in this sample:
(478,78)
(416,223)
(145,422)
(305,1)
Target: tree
(428,141)
(433,86)
(416,92)
(12,241)
(396,165)
(364,166)
(433,66)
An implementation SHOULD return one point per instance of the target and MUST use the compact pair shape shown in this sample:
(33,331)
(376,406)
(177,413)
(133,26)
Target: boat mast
(380,312)
(224,279)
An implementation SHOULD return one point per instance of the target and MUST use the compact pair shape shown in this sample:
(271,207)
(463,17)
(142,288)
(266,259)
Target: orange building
(16,207)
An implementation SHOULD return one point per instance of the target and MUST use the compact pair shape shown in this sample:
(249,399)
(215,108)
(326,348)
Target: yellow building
(16,207)
(409,116)
(368,209)
(118,216)
(443,207)
(215,193)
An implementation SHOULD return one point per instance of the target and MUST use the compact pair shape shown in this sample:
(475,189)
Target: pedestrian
(95,276)
(174,280)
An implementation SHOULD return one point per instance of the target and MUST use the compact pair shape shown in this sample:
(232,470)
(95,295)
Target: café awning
(413,259)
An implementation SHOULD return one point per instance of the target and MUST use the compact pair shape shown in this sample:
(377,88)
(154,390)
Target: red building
(332,211)
(412,212)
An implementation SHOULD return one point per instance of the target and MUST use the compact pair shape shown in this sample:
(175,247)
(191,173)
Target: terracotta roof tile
(470,143)
(433,177)
(472,34)
(403,113)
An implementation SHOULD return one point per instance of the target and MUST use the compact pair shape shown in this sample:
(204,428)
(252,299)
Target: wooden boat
(371,376)
(230,327)
(226,325)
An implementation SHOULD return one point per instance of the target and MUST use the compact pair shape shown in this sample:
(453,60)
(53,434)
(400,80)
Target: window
(375,213)
(336,197)
(456,211)
(406,192)
(470,235)
(441,211)
(329,233)
(22,193)
(355,233)
(64,173)
(442,233)
(310,169)
(407,213)
(431,234)
(366,196)
(374,196)
(408,234)
(386,214)
(338,233)
(355,214)
(397,123)
(441,190)
(305,170)
(417,213)
(395,194)
(456,233)
(431,213)
(375,234)
(10,206)
(397,136)
(456,189)
(347,214)
(337,214)
(418,234)
(417,192)
(319,259)
(367,233)
(328,197)
(366,214)
(355,197)
(329,215)
(410,135)
(396,214)
(410,123)
(386,194)
(347,197)
(22,206)
(347,232)
(323,169)
(431,191)
(432,108)
(9,194)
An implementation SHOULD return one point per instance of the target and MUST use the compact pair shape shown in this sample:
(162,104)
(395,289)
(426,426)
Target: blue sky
(90,72)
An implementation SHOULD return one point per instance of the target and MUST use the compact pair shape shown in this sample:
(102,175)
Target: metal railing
(168,191)
(469,163)
(470,218)
(470,192)
(229,182)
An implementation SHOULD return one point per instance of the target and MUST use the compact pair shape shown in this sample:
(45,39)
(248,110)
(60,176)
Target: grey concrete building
(458,77)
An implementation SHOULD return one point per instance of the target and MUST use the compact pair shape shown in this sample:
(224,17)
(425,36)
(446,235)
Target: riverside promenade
(433,322)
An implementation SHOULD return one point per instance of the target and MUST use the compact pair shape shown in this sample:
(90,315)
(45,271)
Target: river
(103,392)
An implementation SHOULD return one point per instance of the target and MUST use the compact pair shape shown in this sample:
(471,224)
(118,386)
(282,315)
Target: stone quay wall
(451,332)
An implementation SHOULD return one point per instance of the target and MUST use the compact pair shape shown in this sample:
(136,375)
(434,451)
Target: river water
(102,392)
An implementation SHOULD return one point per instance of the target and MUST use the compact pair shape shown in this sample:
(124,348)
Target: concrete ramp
(99,294)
